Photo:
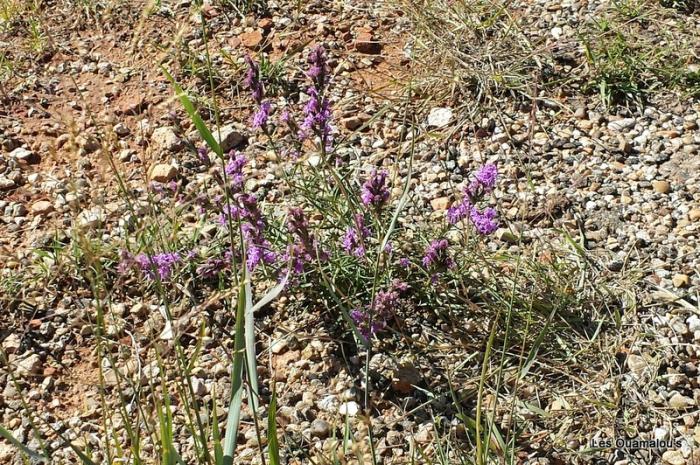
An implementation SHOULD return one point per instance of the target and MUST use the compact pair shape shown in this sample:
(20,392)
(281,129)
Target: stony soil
(623,183)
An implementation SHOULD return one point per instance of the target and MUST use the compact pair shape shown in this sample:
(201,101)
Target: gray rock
(637,365)
(349,408)
(673,457)
(320,429)
(199,388)
(680,402)
(30,365)
(328,404)
(621,124)
(229,137)
(164,139)
(20,153)
(121,130)
(11,343)
(6,184)
(91,218)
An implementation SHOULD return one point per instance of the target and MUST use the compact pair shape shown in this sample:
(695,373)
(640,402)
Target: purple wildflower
(374,190)
(405,262)
(318,70)
(484,221)
(203,155)
(487,176)
(304,251)
(436,255)
(244,208)
(126,261)
(285,117)
(162,262)
(259,254)
(353,240)
(241,207)
(234,170)
(252,79)
(484,181)
(374,318)
(458,212)
(317,117)
(261,116)
(362,320)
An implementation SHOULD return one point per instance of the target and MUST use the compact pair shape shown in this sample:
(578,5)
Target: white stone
(165,139)
(349,408)
(621,124)
(439,117)
(328,404)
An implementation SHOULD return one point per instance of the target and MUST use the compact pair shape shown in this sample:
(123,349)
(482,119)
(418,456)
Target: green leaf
(215,432)
(234,410)
(252,364)
(273,445)
(194,116)
(536,346)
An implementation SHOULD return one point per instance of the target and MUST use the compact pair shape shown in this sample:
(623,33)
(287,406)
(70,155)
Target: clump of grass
(637,48)
(474,48)
(478,49)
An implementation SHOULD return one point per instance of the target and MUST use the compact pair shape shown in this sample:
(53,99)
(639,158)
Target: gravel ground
(626,184)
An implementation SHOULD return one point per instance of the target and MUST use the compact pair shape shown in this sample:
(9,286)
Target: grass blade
(33,455)
(536,345)
(252,364)
(194,116)
(273,445)
(234,410)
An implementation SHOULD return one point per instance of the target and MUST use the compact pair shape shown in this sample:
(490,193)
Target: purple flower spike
(261,116)
(234,170)
(252,79)
(353,241)
(374,190)
(458,212)
(304,251)
(484,221)
(162,262)
(484,181)
(487,176)
(318,70)
(203,155)
(317,117)
(436,255)
(385,303)
(212,267)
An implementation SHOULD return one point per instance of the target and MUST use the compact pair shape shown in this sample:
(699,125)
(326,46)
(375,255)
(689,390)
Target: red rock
(35,324)
(251,39)
(50,371)
(265,24)
(364,44)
